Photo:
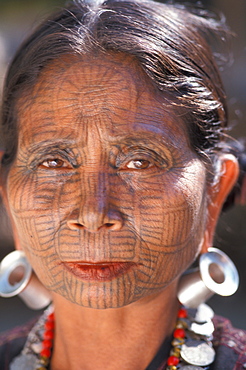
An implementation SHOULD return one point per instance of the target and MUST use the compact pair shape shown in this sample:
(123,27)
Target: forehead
(110,91)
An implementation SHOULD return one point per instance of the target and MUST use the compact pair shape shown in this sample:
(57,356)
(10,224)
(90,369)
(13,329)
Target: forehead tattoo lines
(99,94)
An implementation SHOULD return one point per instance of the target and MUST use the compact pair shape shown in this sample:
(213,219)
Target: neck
(130,336)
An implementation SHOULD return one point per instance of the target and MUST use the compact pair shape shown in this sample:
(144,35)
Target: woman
(113,176)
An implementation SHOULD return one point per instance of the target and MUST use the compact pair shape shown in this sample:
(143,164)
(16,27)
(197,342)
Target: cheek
(174,215)
(172,226)
(35,203)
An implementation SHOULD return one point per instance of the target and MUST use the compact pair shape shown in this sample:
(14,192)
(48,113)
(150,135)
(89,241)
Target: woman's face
(107,198)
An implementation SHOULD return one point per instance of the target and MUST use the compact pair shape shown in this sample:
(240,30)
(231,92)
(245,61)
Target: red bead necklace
(178,340)
(47,343)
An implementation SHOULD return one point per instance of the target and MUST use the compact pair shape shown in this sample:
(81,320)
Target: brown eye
(53,163)
(139,164)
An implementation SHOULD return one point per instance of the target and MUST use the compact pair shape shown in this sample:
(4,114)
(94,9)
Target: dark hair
(169,42)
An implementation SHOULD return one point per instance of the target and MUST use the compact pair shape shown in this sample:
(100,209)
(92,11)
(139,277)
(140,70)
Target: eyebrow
(149,139)
(51,144)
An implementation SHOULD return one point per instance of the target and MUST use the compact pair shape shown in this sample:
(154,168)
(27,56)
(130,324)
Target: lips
(105,271)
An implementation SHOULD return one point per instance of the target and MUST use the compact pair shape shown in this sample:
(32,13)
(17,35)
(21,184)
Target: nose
(94,211)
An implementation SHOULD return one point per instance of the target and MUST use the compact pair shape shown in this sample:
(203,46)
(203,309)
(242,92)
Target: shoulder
(229,336)
(230,345)
(12,342)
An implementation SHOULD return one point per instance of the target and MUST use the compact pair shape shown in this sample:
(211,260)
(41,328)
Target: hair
(170,44)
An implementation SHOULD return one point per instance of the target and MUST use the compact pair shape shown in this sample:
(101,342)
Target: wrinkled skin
(105,173)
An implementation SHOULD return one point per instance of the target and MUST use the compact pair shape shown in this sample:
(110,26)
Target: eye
(139,164)
(54,163)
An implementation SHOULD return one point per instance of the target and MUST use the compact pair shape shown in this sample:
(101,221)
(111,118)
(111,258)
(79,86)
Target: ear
(218,194)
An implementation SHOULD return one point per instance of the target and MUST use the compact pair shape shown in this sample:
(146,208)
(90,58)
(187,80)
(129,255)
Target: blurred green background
(18,17)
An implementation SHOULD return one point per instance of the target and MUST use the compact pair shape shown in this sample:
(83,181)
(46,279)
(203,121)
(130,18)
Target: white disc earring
(18,278)
(216,274)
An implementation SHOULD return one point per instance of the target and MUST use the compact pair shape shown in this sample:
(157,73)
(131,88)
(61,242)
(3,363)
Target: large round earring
(18,278)
(216,274)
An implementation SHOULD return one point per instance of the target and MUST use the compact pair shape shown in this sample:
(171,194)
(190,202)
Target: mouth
(105,271)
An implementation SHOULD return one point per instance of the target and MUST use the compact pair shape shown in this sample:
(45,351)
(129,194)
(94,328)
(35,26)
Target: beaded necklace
(191,345)
(38,347)
(47,343)
(192,340)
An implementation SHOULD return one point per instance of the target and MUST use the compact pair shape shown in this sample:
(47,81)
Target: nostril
(79,226)
(75,225)
(114,225)
(109,224)
(95,222)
